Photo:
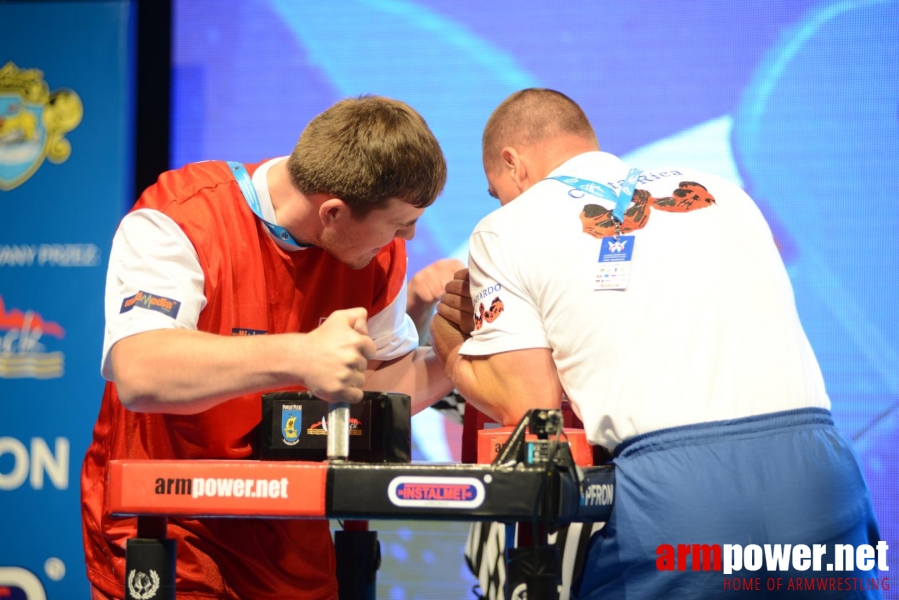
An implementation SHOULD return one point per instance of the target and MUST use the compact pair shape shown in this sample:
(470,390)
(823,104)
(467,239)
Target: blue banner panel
(65,178)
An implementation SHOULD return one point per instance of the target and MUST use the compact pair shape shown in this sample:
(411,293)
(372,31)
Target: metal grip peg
(339,431)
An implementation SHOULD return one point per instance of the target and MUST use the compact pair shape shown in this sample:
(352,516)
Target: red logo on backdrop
(21,352)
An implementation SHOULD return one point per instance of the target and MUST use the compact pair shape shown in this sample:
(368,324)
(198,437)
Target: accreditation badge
(615,256)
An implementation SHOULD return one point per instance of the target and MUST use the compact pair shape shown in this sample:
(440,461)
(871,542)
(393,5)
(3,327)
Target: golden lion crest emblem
(33,124)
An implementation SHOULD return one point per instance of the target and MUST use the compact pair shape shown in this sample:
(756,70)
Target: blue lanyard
(622,198)
(249,193)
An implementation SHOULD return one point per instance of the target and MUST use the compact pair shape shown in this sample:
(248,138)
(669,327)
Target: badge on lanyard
(615,262)
(616,251)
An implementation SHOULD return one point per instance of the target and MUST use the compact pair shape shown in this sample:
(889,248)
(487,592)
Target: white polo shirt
(705,330)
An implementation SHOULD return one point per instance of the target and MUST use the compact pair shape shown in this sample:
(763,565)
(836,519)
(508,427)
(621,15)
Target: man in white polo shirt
(658,303)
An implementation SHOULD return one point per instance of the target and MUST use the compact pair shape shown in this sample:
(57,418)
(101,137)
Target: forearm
(504,394)
(185,372)
(448,339)
(418,374)
(477,395)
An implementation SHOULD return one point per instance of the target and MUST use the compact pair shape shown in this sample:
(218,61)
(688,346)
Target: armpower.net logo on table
(222,487)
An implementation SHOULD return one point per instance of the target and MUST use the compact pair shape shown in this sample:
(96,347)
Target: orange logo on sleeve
(490,315)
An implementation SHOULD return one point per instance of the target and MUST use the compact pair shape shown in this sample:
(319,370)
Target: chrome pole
(339,431)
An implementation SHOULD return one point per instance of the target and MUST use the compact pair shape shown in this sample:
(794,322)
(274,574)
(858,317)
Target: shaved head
(536,117)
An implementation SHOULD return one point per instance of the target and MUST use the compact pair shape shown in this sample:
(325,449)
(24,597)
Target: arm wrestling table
(534,482)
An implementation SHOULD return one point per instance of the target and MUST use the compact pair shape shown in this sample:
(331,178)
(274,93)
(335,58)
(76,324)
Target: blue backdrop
(65,179)
(795,101)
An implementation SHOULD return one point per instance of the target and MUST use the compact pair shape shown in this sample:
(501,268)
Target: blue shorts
(782,478)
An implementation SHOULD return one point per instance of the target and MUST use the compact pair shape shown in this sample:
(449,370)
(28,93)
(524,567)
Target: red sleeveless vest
(250,284)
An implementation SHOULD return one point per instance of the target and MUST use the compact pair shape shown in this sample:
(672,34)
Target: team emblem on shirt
(689,196)
(490,315)
(160,304)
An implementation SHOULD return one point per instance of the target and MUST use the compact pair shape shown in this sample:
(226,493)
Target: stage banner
(66,98)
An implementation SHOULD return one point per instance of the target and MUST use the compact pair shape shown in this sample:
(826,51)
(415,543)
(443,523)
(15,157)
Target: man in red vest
(226,281)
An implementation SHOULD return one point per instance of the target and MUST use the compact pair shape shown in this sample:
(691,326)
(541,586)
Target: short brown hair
(366,151)
(530,116)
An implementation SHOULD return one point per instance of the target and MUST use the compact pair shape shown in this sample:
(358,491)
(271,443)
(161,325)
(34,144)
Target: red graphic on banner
(22,354)
(16,319)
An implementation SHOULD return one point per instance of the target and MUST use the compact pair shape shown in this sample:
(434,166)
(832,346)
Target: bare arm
(503,386)
(186,372)
(419,374)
